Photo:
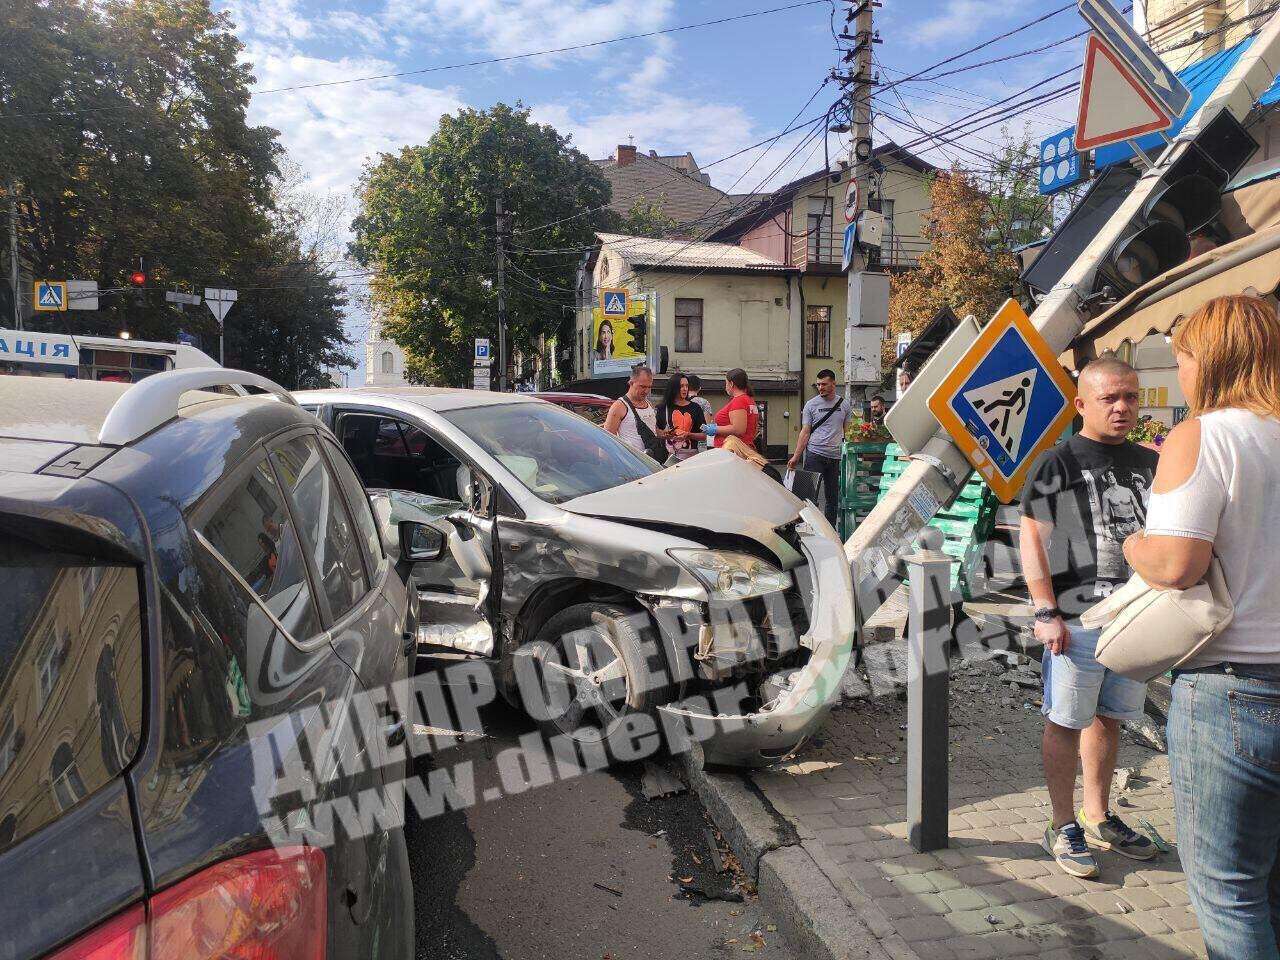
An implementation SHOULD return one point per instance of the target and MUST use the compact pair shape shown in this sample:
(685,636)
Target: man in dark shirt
(1082,499)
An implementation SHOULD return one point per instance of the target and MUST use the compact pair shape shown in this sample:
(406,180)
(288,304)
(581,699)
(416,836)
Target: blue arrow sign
(1161,82)
(850,236)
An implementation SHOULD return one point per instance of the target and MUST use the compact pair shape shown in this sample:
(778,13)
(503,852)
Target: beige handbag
(1147,632)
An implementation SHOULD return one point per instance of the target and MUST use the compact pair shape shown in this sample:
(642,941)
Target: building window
(388,362)
(817,332)
(8,744)
(688,325)
(49,665)
(68,785)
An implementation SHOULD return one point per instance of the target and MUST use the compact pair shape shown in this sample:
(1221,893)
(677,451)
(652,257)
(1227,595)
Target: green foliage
(644,219)
(426,226)
(123,132)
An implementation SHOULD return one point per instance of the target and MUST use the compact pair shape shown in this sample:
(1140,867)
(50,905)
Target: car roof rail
(154,401)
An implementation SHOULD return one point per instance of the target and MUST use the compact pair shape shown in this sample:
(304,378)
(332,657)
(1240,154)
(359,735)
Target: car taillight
(267,905)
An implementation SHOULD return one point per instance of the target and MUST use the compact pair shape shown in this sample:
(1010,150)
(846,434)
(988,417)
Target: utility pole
(13,256)
(868,293)
(502,225)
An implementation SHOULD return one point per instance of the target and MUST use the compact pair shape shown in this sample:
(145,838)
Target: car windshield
(556,454)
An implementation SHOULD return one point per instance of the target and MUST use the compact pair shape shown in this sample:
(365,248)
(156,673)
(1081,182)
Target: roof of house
(749,214)
(683,197)
(686,255)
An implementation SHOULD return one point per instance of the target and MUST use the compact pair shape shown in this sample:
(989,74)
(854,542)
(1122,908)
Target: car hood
(714,490)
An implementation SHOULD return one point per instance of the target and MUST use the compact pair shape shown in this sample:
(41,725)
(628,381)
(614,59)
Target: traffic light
(1188,198)
(138,278)
(638,327)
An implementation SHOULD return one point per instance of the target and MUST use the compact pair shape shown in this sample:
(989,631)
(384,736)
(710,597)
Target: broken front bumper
(778,728)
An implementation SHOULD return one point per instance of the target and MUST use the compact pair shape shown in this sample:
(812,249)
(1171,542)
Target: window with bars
(817,332)
(688,325)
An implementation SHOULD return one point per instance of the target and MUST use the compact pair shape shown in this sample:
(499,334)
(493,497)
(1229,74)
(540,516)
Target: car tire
(595,665)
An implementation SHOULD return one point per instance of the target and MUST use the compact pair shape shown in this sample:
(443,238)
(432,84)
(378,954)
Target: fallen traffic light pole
(1128,249)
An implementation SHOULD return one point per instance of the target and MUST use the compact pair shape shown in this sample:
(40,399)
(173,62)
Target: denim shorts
(1078,688)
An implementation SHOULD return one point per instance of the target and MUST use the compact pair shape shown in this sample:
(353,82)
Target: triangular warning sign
(1003,406)
(1114,103)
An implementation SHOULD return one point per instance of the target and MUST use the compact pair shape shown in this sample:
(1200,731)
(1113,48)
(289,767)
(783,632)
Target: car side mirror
(420,542)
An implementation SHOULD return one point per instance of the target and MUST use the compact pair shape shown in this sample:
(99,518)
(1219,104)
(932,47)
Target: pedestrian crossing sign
(51,295)
(1006,401)
(613,302)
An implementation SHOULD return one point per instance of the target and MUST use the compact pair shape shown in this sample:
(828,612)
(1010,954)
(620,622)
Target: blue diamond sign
(1007,400)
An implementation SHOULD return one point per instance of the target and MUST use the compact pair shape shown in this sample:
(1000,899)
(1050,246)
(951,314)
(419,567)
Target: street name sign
(50,295)
(220,301)
(1144,63)
(1061,165)
(1005,401)
(1114,103)
(614,302)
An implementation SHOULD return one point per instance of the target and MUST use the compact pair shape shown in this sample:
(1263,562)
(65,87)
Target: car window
(71,677)
(361,512)
(557,455)
(325,526)
(415,461)
(251,530)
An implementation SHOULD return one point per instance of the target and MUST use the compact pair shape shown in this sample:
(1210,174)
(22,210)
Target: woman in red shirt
(740,417)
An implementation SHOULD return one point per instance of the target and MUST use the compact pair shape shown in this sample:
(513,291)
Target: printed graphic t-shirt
(740,402)
(1095,495)
(688,418)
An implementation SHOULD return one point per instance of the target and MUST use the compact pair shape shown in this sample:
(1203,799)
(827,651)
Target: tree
(962,268)
(645,219)
(123,133)
(1019,214)
(426,227)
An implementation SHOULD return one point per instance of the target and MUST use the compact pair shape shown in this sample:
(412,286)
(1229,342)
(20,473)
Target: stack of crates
(869,470)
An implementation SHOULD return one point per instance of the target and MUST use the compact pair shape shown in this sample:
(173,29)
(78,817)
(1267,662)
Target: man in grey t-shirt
(822,426)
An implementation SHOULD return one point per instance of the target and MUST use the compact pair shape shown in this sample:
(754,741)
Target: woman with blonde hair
(1217,491)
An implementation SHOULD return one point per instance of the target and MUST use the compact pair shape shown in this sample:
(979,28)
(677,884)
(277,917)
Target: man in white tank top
(622,416)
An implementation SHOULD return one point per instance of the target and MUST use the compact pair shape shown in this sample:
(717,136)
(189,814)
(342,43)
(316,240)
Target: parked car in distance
(185,569)
(593,406)
(566,546)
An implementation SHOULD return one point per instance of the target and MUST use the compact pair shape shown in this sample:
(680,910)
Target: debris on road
(714,844)
(657,782)
(608,889)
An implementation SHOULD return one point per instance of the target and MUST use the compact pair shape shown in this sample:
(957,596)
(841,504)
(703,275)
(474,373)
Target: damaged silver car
(705,592)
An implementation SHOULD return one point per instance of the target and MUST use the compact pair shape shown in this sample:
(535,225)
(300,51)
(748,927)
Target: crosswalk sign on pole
(614,302)
(51,295)
(1006,401)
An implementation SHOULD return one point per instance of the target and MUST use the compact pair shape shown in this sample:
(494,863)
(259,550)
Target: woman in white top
(1217,490)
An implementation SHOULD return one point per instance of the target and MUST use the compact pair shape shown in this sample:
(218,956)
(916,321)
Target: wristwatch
(1047,614)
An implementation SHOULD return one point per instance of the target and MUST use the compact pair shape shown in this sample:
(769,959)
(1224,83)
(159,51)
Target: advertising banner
(619,343)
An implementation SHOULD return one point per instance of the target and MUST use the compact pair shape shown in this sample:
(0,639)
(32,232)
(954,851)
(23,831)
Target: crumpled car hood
(714,490)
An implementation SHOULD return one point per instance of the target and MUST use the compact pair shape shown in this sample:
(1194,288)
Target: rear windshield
(554,453)
(70,681)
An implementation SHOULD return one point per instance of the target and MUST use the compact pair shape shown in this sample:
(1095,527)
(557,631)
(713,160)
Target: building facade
(383,360)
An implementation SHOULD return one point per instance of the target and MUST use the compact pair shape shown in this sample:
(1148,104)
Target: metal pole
(941,469)
(500,219)
(928,635)
(13,256)
(860,91)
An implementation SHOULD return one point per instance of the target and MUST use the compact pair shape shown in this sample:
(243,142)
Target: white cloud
(958,19)
(504,27)
(279,20)
(332,131)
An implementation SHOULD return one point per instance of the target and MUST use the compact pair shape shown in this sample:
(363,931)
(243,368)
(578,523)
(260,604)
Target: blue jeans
(1224,757)
(1077,688)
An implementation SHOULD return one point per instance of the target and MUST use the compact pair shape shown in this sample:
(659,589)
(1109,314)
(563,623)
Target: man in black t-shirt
(1082,499)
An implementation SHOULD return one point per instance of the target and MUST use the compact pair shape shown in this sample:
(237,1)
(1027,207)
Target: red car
(590,405)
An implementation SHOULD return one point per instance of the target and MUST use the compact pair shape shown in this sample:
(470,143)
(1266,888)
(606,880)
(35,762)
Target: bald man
(1082,499)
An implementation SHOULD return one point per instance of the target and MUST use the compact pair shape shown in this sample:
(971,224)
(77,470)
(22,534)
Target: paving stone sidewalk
(994,892)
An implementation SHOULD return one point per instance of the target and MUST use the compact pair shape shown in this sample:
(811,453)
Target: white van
(28,353)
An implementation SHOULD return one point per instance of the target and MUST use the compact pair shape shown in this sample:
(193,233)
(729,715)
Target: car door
(455,591)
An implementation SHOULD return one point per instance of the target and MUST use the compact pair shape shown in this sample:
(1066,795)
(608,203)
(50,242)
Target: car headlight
(732,576)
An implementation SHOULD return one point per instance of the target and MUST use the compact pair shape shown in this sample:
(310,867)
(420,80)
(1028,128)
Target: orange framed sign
(1006,401)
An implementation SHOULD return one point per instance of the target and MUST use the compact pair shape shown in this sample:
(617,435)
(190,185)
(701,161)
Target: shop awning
(1248,265)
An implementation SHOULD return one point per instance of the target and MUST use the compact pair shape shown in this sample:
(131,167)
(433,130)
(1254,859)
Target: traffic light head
(638,327)
(138,278)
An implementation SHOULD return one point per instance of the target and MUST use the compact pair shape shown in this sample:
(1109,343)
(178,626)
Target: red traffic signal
(138,278)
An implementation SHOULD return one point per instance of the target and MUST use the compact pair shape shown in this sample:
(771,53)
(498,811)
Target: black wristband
(1047,614)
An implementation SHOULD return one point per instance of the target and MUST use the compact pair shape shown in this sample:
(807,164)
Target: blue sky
(711,90)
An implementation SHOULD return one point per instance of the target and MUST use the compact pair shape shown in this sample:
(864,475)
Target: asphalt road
(585,868)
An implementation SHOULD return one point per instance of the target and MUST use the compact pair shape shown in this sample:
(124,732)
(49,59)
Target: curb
(829,920)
